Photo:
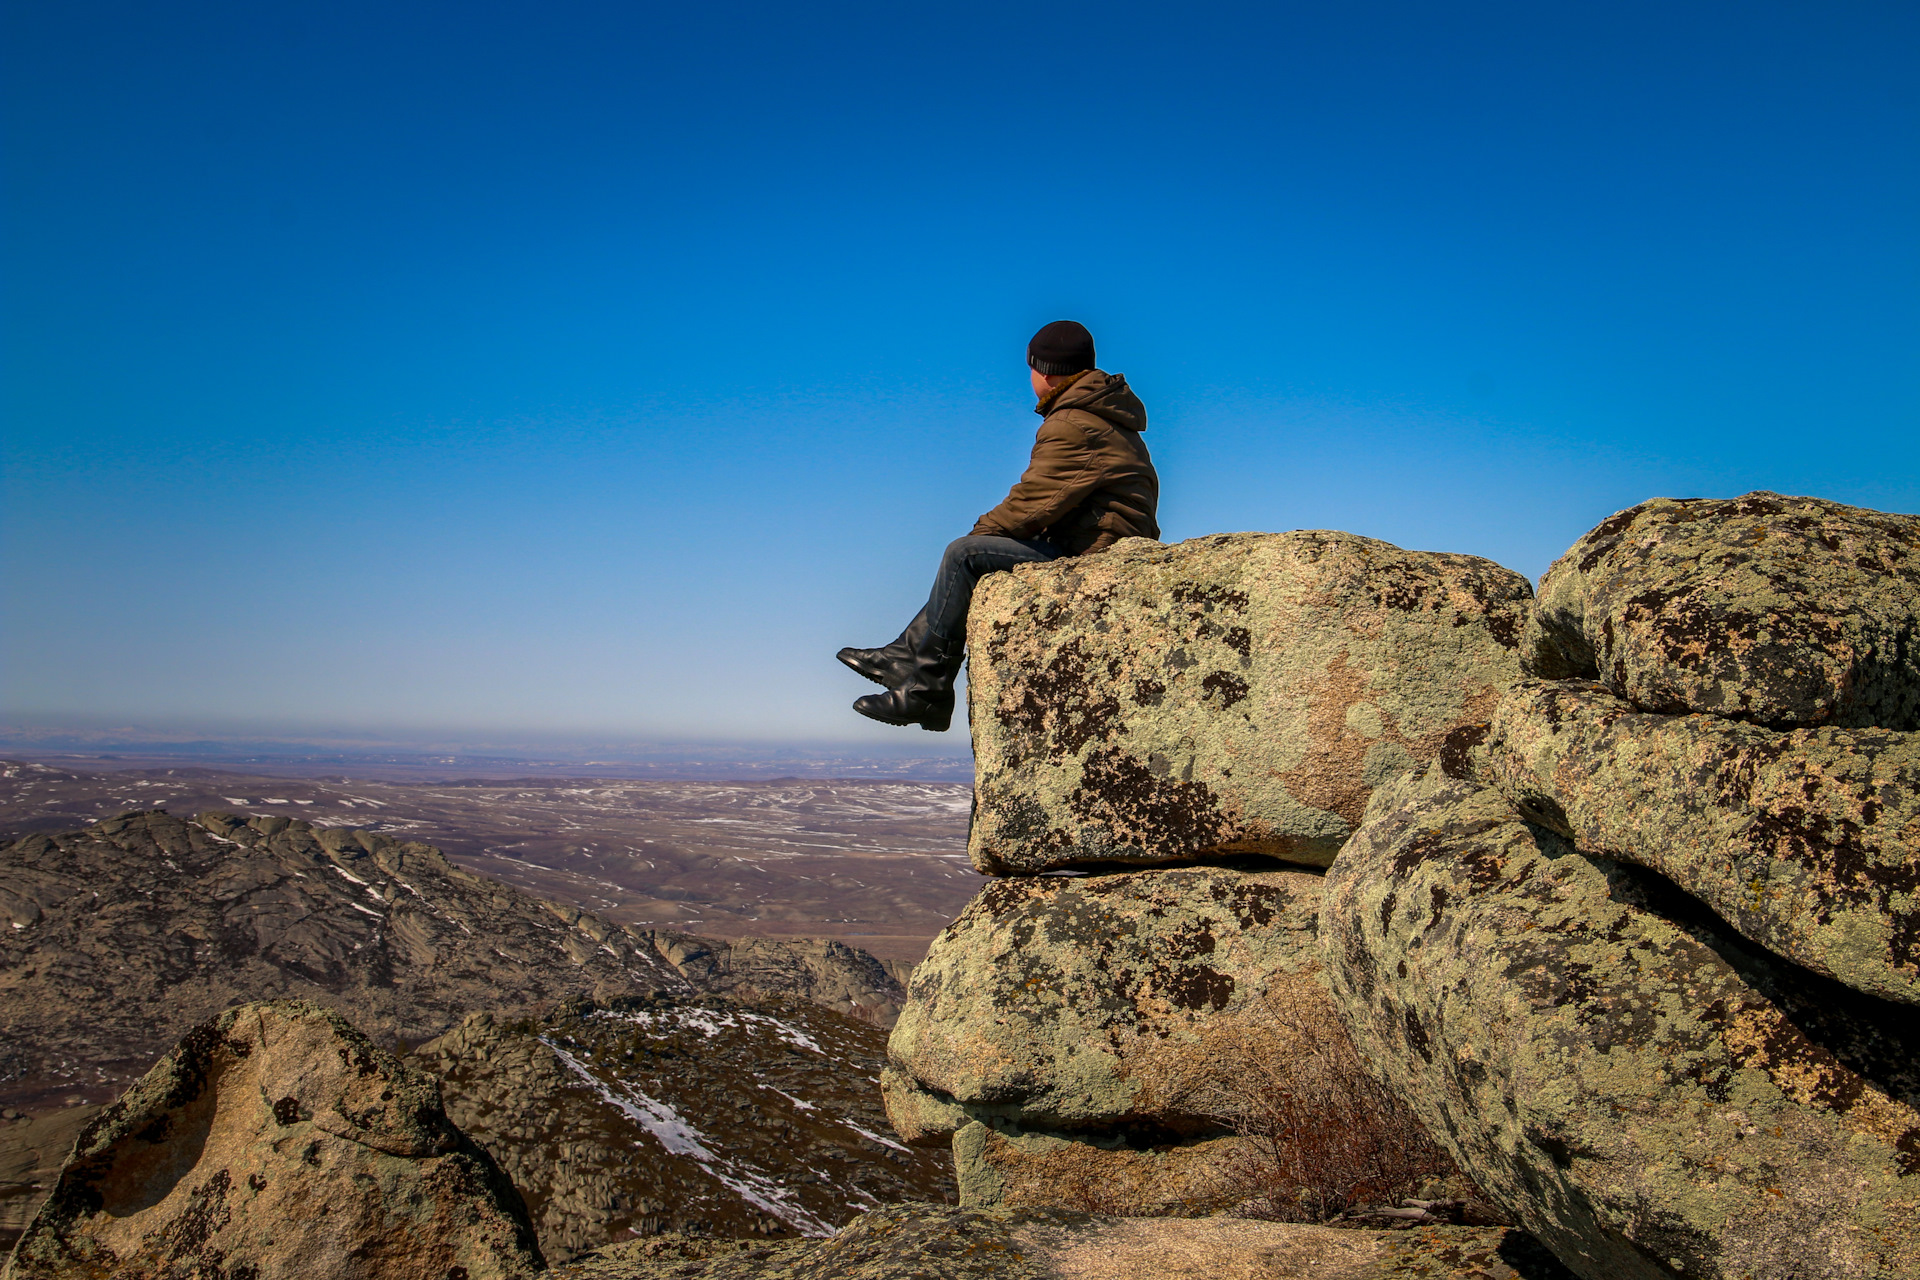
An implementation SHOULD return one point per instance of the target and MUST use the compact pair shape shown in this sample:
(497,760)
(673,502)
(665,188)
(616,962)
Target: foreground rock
(1243,692)
(1646,1093)
(275,1141)
(33,1146)
(931,1242)
(1807,842)
(704,1116)
(1070,1002)
(1787,612)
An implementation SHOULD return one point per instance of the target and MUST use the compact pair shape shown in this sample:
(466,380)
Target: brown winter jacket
(1090,481)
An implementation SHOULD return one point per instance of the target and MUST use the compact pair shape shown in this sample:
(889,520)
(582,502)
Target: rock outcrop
(276,1141)
(33,1146)
(1236,693)
(932,1242)
(1057,1002)
(1787,612)
(1094,1042)
(1651,1095)
(1806,841)
(702,1116)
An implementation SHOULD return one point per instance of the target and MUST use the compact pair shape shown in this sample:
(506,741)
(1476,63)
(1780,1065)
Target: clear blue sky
(602,368)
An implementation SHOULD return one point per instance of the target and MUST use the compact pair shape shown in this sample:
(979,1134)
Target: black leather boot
(891,664)
(925,696)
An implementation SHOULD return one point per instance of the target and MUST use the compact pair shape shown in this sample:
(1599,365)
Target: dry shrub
(1322,1136)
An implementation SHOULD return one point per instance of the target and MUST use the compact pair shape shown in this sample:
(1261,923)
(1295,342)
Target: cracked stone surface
(1233,693)
(1807,841)
(1052,1000)
(1646,1092)
(1787,612)
(276,1141)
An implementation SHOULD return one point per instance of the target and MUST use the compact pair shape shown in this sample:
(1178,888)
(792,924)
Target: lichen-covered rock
(1807,841)
(1018,1168)
(275,1141)
(1646,1093)
(1788,612)
(1241,692)
(1053,1002)
(940,1242)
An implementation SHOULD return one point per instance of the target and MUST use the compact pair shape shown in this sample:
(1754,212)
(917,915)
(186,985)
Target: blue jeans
(966,560)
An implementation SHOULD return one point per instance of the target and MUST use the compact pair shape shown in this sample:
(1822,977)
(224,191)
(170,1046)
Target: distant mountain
(880,865)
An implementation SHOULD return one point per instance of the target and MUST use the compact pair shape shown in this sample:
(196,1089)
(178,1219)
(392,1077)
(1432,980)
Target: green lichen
(1240,692)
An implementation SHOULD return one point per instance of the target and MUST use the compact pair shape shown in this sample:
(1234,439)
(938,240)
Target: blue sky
(600,369)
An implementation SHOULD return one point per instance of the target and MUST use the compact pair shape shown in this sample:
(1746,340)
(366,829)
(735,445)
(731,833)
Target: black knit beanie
(1064,346)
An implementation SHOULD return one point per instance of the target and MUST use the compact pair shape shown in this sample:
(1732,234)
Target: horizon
(590,374)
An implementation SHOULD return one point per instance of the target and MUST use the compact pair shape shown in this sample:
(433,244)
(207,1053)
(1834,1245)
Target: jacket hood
(1105,394)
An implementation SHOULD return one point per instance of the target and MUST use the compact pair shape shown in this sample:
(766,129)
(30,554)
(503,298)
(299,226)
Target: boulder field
(1621,889)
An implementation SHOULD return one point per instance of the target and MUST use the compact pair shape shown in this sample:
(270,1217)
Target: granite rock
(1057,1002)
(1647,1093)
(938,1242)
(1807,841)
(1787,612)
(1006,1165)
(1234,693)
(276,1141)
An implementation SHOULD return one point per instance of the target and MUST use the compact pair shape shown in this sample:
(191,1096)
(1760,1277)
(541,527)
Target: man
(1088,484)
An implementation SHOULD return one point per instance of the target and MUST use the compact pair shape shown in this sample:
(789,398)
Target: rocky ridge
(702,1116)
(153,923)
(121,937)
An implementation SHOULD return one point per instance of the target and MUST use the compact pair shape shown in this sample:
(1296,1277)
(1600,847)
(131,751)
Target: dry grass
(1321,1135)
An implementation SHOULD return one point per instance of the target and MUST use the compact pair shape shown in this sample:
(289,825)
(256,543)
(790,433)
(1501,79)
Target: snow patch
(682,1139)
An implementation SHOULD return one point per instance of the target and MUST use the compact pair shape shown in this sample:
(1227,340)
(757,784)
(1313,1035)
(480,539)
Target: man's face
(1041,382)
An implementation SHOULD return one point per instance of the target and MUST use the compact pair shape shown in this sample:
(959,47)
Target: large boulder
(1648,1094)
(1807,841)
(1241,692)
(1787,612)
(1058,1002)
(276,1141)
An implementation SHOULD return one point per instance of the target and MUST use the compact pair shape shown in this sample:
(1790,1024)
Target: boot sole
(866,673)
(931,724)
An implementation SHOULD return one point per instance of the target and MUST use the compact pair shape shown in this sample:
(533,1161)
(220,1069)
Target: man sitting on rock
(1088,484)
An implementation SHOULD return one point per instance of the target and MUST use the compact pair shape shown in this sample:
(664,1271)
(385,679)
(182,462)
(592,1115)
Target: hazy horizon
(596,371)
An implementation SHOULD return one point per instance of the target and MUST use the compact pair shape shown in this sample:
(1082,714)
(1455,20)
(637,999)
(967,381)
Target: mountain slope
(147,924)
(686,1115)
